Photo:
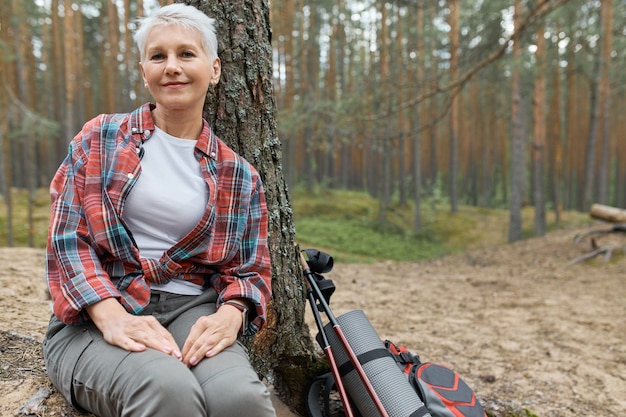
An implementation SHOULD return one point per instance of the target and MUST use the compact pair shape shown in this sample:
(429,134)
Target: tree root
(35,404)
(596,249)
(606,250)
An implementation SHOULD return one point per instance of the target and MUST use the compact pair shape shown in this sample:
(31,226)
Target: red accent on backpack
(441,389)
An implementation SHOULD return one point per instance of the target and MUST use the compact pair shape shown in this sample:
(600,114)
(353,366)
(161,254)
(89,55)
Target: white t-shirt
(167,201)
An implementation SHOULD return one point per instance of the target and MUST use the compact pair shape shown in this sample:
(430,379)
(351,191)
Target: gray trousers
(111,382)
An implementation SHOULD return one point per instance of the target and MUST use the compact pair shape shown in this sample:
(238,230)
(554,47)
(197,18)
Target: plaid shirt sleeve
(248,274)
(74,272)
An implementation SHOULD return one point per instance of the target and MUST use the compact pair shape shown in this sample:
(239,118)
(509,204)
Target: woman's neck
(182,124)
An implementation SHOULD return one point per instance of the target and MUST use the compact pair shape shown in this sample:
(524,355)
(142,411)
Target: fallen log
(608,213)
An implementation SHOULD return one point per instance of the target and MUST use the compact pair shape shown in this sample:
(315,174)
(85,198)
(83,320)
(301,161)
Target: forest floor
(523,327)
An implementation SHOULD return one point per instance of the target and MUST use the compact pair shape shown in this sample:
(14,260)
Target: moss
(346,224)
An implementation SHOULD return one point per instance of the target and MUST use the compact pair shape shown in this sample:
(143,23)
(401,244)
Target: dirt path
(522,328)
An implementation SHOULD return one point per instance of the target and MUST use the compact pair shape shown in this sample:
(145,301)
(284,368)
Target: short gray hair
(183,15)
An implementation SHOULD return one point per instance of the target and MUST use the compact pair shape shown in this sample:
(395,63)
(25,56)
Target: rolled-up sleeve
(248,275)
(74,273)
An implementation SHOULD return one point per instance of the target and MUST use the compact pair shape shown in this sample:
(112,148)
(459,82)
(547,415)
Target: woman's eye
(156,57)
(188,54)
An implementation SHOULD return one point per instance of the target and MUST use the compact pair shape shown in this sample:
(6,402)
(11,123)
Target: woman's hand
(130,332)
(212,334)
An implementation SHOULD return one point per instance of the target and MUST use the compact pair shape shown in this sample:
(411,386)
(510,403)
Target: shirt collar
(207,142)
(142,123)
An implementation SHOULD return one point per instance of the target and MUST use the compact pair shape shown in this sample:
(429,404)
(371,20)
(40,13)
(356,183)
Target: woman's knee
(237,392)
(164,388)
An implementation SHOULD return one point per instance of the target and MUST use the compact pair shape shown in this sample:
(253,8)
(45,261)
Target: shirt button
(212,154)
(130,176)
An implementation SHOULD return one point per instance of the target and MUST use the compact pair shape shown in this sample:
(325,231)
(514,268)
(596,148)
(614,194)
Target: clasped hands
(207,337)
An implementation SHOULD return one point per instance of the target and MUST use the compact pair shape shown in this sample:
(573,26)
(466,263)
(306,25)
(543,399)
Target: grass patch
(357,240)
(20,222)
(345,223)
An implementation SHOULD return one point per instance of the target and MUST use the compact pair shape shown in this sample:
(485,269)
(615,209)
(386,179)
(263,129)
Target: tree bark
(454,6)
(517,139)
(604,101)
(5,144)
(539,148)
(608,213)
(555,138)
(242,111)
(415,122)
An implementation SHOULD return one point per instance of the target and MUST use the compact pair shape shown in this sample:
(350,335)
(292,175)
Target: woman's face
(176,69)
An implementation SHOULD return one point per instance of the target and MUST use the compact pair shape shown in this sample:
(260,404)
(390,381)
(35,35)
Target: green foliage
(357,240)
(345,224)
(41,216)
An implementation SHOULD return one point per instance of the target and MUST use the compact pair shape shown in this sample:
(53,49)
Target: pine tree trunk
(454,6)
(416,124)
(242,111)
(605,99)
(517,146)
(539,148)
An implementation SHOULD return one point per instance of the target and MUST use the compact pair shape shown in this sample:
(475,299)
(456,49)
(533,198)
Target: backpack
(441,389)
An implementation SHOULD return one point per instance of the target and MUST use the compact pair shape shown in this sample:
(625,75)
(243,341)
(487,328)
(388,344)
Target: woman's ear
(143,75)
(217,71)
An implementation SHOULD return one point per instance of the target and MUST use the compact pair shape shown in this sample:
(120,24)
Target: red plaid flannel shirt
(91,255)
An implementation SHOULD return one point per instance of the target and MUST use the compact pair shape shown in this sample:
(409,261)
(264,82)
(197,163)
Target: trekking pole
(315,293)
(329,355)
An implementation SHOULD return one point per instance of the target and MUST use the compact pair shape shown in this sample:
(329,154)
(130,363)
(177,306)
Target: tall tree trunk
(139,89)
(569,124)
(58,70)
(539,148)
(309,70)
(45,107)
(284,18)
(383,147)
(517,138)
(555,137)
(416,121)
(400,75)
(592,140)
(454,6)
(431,110)
(26,94)
(128,52)
(605,99)
(82,109)
(282,351)
(5,147)
(69,42)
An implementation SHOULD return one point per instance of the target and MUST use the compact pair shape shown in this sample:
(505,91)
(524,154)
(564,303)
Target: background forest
(495,104)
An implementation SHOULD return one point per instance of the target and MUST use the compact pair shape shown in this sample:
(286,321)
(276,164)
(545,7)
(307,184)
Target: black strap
(420,412)
(321,386)
(364,358)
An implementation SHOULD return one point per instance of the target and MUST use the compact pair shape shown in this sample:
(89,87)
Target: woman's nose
(172,65)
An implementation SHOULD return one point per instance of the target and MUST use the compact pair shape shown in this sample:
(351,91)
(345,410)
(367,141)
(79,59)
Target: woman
(157,252)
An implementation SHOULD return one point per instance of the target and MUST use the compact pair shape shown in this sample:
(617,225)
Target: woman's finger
(210,335)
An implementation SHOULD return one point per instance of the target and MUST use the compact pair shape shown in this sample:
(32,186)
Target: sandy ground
(520,326)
